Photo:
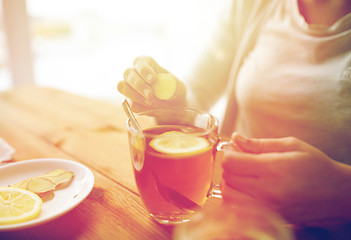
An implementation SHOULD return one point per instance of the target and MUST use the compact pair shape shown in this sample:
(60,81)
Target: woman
(285,69)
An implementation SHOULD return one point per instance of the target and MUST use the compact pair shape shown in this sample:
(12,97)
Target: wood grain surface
(48,123)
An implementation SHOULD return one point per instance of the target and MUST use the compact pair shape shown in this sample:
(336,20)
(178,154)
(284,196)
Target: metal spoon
(131,116)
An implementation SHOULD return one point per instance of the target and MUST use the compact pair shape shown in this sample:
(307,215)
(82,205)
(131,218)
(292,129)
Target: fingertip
(234,134)
(147,73)
(245,144)
(142,58)
(151,78)
(126,73)
(227,156)
(145,67)
(121,86)
(223,161)
(238,138)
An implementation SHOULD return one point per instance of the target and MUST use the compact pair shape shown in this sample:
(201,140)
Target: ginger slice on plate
(40,185)
(61,178)
(22,184)
(46,182)
(53,173)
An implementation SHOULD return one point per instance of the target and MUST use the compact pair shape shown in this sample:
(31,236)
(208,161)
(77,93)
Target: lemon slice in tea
(175,142)
(18,205)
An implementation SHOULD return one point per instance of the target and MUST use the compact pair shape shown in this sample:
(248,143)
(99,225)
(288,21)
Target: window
(84,46)
(5,79)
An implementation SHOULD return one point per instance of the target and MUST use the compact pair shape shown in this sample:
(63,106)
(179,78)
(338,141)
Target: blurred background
(84,46)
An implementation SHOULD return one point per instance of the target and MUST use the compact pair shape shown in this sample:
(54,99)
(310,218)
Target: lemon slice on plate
(18,205)
(175,142)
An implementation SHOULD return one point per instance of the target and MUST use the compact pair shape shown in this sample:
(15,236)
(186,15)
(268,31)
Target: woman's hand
(289,176)
(138,86)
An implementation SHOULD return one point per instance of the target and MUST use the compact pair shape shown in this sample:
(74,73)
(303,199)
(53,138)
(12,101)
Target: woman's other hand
(141,85)
(289,176)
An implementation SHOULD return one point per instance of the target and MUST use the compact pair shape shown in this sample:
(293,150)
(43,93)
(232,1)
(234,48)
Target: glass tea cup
(173,161)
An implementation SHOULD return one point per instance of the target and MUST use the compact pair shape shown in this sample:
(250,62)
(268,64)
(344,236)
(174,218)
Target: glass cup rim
(215,124)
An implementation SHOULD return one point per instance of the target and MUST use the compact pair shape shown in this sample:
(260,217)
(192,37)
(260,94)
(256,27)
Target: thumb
(266,145)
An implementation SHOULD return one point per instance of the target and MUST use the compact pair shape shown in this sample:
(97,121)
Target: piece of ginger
(165,86)
(46,182)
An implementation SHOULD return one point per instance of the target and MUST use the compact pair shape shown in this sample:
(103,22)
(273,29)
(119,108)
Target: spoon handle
(131,116)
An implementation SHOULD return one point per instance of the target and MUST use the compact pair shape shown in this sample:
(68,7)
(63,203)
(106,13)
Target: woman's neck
(324,12)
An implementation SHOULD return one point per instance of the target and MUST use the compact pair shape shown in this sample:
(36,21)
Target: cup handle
(215,192)
(221,146)
(227,145)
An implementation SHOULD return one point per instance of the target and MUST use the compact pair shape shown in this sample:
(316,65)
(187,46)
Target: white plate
(64,200)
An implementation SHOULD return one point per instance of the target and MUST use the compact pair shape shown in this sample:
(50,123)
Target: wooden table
(48,123)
